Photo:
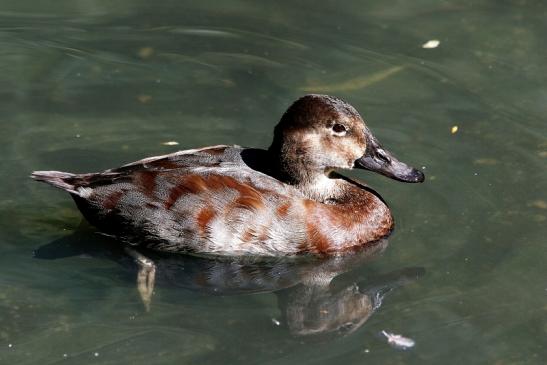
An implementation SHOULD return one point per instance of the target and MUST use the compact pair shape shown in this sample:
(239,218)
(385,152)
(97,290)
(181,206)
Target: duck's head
(320,133)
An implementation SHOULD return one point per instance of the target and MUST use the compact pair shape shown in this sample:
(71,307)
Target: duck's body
(238,201)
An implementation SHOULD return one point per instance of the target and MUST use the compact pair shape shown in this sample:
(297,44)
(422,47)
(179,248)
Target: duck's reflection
(311,301)
(321,309)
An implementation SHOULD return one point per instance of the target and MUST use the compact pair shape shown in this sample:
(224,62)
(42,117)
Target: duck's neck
(323,188)
(294,168)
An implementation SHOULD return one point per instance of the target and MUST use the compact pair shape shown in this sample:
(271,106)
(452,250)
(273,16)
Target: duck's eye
(339,128)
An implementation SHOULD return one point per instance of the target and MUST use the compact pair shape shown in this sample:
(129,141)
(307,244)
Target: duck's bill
(381,161)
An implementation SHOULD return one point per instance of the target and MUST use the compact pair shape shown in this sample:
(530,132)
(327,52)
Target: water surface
(89,85)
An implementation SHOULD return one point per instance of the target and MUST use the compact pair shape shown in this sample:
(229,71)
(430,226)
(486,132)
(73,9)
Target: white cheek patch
(358,150)
(322,156)
(351,152)
(346,151)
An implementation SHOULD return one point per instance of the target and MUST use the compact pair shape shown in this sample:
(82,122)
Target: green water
(89,85)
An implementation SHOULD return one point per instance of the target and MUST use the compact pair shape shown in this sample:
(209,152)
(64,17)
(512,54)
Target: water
(88,85)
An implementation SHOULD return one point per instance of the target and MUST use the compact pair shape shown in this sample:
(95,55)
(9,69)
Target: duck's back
(206,200)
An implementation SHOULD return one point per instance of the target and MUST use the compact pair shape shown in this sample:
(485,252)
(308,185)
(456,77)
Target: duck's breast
(356,220)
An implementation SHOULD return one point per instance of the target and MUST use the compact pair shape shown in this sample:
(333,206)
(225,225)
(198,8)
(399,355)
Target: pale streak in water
(355,83)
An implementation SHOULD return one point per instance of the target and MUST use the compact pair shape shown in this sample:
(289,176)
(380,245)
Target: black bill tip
(415,176)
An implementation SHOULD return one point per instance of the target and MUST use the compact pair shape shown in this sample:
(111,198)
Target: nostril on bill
(382,155)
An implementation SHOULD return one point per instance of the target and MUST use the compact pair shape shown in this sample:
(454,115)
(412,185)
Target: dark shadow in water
(314,297)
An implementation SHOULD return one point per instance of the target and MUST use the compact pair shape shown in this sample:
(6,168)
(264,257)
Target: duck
(227,200)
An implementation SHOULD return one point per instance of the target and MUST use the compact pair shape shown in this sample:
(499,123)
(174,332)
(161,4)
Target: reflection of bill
(311,301)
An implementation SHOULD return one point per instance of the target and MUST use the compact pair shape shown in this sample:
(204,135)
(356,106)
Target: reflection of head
(315,310)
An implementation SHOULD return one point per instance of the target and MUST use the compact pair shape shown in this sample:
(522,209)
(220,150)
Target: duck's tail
(59,179)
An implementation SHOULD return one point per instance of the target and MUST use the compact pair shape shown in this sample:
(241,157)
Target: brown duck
(231,200)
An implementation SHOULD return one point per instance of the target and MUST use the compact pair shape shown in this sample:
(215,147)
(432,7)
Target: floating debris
(276,322)
(144,98)
(145,52)
(454,129)
(96,354)
(170,143)
(398,341)
(228,82)
(540,204)
(433,43)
